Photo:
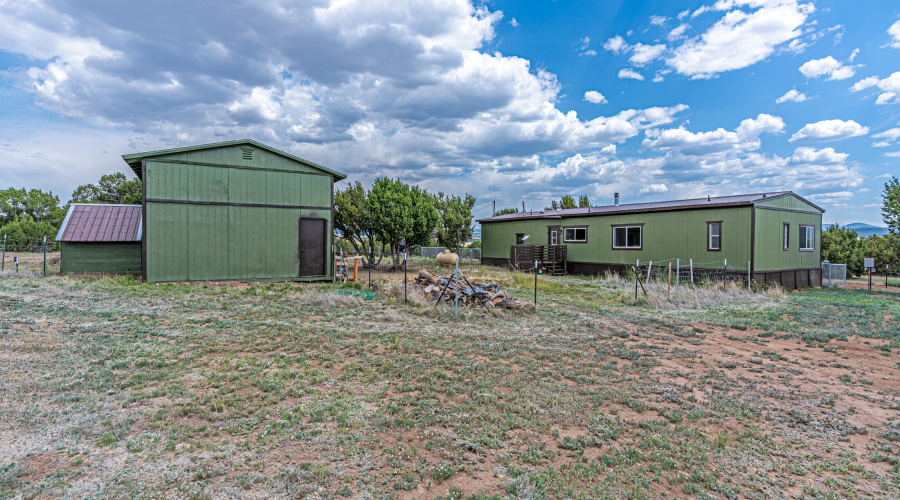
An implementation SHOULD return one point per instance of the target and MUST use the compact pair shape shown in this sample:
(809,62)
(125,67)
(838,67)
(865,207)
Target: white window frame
(810,241)
(786,236)
(640,228)
(554,236)
(566,238)
(709,236)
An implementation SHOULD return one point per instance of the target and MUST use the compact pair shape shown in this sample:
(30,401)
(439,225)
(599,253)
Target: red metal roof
(101,223)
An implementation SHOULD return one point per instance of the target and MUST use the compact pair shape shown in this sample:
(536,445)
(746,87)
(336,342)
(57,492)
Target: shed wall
(222,222)
(108,258)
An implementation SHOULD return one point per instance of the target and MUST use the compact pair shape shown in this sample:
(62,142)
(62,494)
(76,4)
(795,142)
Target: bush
(27,233)
(843,246)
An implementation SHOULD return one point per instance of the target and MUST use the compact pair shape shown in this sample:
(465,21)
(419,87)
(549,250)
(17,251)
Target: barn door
(312,246)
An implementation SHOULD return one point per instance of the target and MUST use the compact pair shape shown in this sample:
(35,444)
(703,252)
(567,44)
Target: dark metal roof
(657,206)
(101,223)
(134,160)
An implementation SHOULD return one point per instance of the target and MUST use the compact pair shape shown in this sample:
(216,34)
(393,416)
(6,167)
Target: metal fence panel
(834,274)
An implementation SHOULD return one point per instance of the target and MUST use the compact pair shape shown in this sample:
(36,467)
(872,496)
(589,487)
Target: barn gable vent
(247,153)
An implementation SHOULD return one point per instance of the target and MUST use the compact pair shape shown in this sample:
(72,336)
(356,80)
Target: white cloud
(654,189)
(616,45)
(792,96)
(824,156)
(630,73)
(894,31)
(890,134)
(893,154)
(831,198)
(829,130)
(743,139)
(740,39)
(658,20)
(594,97)
(514,23)
(643,54)
(890,87)
(608,150)
(678,32)
(827,66)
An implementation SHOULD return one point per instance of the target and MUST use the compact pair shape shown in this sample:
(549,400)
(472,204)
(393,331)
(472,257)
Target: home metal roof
(134,160)
(657,206)
(98,223)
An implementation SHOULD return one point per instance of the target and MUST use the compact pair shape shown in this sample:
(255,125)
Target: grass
(114,388)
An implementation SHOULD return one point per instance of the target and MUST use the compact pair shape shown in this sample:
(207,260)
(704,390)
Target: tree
(885,250)
(34,204)
(455,215)
(567,202)
(583,201)
(504,211)
(891,205)
(111,189)
(27,233)
(353,219)
(843,246)
(401,213)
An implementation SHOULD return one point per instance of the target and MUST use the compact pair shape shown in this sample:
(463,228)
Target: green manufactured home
(778,235)
(236,210)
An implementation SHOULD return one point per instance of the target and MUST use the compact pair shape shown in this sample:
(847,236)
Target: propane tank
(447,257)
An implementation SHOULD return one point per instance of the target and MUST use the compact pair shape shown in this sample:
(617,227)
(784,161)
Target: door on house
(312,246)
(553,235)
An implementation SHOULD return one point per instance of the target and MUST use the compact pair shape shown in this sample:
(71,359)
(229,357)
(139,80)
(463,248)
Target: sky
(510,101)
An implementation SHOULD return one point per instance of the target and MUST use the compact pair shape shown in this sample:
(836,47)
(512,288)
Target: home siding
(769,251)
(678,234)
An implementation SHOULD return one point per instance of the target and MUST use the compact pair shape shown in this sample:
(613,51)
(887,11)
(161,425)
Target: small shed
(97,238)
(237,210)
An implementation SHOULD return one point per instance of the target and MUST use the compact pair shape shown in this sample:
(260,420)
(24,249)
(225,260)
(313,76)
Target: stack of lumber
(476,294)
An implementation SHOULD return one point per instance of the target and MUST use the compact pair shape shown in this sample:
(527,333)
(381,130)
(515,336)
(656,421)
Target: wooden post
(3,262)
(669,282)
(45,256)
(650,267)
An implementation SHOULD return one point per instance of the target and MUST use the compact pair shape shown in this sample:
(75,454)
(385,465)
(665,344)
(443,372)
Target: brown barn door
(312,246)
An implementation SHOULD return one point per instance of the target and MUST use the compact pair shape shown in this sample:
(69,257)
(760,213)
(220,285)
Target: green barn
(95,238)
(778,235)
(236,210)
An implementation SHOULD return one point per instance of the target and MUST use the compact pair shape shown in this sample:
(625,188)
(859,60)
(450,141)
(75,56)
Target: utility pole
(523,206)
(495,209)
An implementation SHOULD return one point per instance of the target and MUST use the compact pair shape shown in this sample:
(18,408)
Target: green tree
(401,213)
(885,249)
(583,201)
(27,233)
(353,219)
(455,216)
(111,189)
(554,205)
(891,205)
(567,201)
(19,204)
(843,246)
(504,211)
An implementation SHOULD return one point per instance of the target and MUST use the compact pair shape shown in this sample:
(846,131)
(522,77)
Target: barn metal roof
(134,160)
(657,206)
(99,223)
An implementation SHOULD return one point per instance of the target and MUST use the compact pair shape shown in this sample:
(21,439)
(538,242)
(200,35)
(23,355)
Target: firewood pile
(475,295)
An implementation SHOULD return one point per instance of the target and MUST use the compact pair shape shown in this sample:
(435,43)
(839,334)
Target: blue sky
(509,101)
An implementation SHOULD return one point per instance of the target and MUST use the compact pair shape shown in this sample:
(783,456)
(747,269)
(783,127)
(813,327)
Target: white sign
(868,262)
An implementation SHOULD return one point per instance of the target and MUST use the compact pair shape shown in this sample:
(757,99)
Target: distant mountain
(864,230)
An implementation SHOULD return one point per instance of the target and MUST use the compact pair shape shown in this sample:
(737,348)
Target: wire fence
(834,275)
(465,254)
(29,255)
(685,272)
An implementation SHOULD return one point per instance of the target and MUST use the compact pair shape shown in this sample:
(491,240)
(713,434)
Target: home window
(714,236)
(575,234)
(554,237)
(520,238)
(787,236)
(627,237)
(807,238)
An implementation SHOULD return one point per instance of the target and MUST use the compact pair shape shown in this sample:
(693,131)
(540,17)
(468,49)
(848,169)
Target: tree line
(32,214)
(844,246)
(393,216)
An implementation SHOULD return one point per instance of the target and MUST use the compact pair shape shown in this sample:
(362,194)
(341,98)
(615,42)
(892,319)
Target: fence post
(45,256)
(535,282)
(678,275)
(692,272)
(636,271)
(456,299)
(405,256)
(748,275)
(669,281)
(3,262)
(371,263)
(724,272)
